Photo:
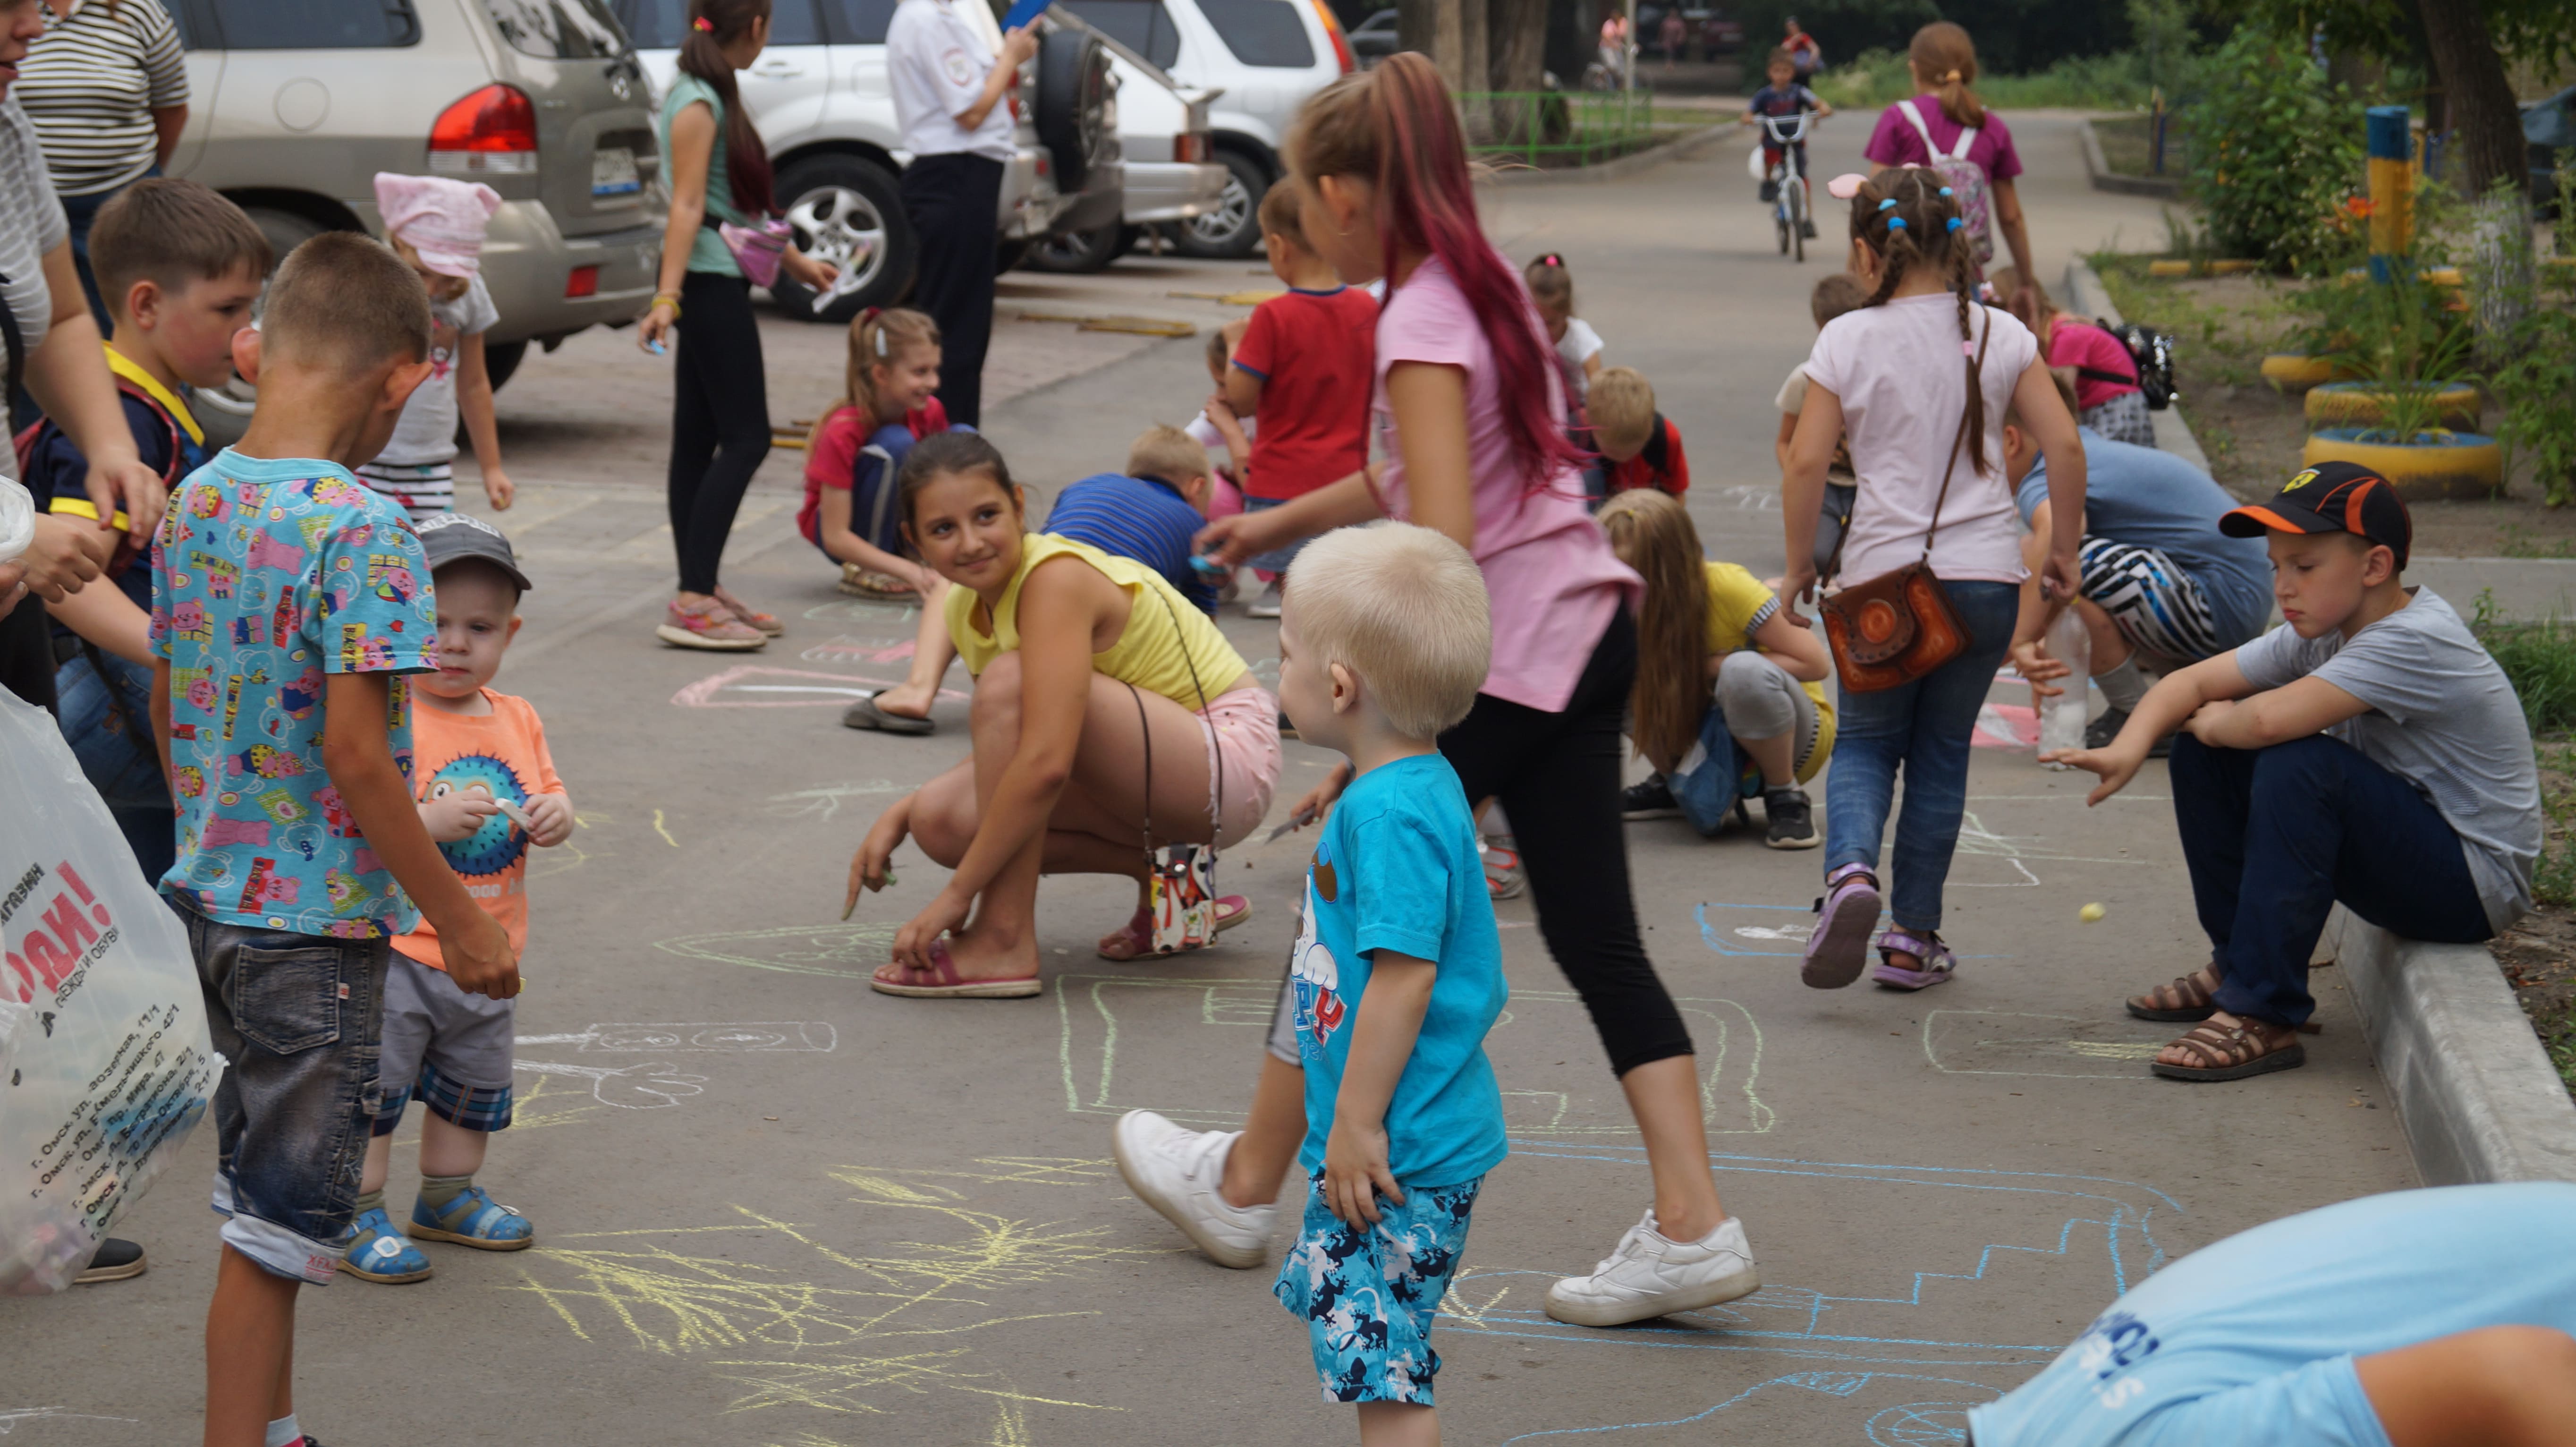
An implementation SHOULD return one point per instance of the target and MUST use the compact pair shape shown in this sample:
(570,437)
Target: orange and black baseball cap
(2334,497)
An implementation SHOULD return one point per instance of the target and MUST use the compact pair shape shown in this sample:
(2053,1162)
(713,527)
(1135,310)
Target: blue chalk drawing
(1909,1424)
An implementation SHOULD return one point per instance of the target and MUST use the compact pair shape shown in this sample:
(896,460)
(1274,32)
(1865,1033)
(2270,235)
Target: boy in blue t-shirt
(1397,971)
(1786,95)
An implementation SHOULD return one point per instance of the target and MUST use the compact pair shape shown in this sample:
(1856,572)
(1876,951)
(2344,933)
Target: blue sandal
(1938,962)
(377,1252)
(474,1219)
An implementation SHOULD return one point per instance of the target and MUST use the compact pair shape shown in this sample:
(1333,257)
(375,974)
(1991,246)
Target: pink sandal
(942,982)
(1135,939)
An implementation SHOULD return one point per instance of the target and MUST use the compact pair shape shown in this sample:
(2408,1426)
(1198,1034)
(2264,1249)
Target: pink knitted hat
(441,219)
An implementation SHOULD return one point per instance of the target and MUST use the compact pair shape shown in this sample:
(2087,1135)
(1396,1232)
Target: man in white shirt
(948,98)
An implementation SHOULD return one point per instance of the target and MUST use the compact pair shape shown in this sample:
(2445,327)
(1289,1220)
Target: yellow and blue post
(2392,190)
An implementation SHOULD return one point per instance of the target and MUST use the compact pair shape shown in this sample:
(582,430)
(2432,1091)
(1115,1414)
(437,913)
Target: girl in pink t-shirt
(2087,358)
(1944,62)
(1471,408)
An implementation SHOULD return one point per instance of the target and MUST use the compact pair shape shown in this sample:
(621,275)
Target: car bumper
(1171,190)
(1102,203)
(528,263)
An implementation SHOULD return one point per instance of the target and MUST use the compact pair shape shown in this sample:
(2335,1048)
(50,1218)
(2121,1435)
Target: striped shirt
(91,83)
(31,224)
(1136,517)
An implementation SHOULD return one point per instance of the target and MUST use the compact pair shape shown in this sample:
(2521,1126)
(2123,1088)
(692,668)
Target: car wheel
(501,360)
(1232,228)
(1080,253)
(846,210)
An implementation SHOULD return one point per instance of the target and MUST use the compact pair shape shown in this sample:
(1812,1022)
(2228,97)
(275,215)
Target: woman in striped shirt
(107,86)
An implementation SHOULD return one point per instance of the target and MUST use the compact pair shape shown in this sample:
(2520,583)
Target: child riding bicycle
(1783,98)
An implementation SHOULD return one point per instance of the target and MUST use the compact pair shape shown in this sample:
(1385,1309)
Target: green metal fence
(1557,128)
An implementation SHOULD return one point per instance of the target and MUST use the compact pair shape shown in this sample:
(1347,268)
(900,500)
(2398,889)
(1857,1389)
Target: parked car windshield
(1143,26)
(559,29)
(662,24)
(1261,32)
(316,24)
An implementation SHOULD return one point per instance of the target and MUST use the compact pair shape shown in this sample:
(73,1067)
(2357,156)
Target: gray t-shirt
(2442,717)
(427,432)
(31,224)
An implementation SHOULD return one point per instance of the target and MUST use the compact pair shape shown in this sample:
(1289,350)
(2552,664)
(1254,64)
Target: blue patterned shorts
(1367,1293)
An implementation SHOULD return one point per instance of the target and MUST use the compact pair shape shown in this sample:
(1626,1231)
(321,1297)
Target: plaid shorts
(449,1049)
(1367,1293)
(474,1107)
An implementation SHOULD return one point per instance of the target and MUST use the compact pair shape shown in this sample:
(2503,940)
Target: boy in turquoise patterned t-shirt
(287,600)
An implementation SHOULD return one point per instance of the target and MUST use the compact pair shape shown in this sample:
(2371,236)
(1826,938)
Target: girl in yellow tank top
(1110,718)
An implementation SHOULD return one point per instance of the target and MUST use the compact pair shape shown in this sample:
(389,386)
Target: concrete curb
(2472,1085)
(2087,297)
(2099,172)
(1688,143)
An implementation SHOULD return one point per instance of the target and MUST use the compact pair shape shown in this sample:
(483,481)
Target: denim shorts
(1277,560)
(297,1017)
(1367,1293)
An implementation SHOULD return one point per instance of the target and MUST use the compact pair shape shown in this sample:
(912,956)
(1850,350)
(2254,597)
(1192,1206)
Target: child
(1149,513)
(1639,446)
(437,226)
(287,598)
(179,268)
(487,791)
(1397,970)
(1784,94)
(1577,345)
(2367,752)
(1920,378)
(1218,426)
(2087,358)
(1304,365)
(851,460)
(1704,622)
(1834,295)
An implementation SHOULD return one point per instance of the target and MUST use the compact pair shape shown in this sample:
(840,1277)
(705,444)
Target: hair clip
(1551,259)
(1845,186)
(703,25)
(1945,190)
(1956,223)
(1895,223)
(1887,205)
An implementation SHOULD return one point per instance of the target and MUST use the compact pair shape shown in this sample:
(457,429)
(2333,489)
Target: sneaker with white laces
(1178,1173)
(1649,1275)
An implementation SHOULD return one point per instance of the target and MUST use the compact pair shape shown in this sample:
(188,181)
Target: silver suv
(295,105)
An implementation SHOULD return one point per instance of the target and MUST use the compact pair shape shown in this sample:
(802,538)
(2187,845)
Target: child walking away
(1304,366)
(1835,294)
(1708,624)
(1919,378)
(437,226)
(1578,346)
(287,601)
(1641,447)
(2095,363)
(857,448)
(487,790)
(1397,972)
(2366,753)
(1784,93)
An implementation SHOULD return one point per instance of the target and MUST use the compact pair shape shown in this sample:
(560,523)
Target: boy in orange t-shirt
(488,790)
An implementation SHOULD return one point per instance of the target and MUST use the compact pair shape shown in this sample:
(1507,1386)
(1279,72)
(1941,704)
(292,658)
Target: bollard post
(2392,189)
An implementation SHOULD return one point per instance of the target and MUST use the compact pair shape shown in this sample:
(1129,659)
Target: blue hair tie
(1945,190)
(1886,204)
(1895,223)
(1955,223)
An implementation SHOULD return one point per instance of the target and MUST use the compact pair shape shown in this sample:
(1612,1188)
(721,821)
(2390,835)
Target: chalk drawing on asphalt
(647,1085)
(824,802)
(842,951)
(13,1418)
(748,1037)
(2021,1043)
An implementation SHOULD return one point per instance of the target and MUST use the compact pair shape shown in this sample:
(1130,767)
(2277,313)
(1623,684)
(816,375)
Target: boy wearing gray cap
(487,790)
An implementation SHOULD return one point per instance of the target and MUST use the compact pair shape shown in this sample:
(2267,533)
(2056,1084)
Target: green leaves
(2274,147)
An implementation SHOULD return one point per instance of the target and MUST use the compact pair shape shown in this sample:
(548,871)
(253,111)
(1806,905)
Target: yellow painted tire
(2467,465)
(2297,372)
(2362,404)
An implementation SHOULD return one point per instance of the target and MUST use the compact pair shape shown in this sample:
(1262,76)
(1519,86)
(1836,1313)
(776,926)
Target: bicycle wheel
(1780,215)
(1796,195)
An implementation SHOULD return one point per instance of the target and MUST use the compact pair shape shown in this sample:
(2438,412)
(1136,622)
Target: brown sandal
(2189,997)
(2233,1052)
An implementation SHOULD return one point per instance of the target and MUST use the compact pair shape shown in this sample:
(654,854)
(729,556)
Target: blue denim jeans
(1277,559)
(1923,728)
(98,720)
(298,1017)
(2275,837)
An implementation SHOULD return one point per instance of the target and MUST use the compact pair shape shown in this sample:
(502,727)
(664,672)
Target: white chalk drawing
(12,1418)
(826,801)
(653,1085)
(749,1037)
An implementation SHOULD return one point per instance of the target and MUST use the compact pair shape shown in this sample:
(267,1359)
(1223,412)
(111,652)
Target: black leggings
(954,205)
(1558,777)
(719,420)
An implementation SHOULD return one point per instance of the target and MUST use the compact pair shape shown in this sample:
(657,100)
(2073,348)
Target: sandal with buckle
(942,982)
(473,1218)
(1937,962)
(865,582)
(2234,1052)
(1134,940)
(2189,998)
(1838,947)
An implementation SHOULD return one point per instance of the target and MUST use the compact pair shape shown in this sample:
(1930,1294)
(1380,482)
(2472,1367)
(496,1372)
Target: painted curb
(2099,172)
(2474,1089)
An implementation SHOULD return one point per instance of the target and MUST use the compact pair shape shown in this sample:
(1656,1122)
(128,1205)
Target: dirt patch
(2538,956)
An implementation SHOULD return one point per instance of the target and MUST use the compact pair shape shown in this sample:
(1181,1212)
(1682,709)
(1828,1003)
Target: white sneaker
(1651,1275)
(1177,1172)
(1267,605)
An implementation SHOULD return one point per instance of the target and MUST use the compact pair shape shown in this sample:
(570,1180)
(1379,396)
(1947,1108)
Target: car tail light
(584,281)
(1333,28)
(491,132)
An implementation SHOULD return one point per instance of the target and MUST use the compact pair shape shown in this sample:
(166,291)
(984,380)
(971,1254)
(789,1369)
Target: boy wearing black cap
(487,790)
(2367,752)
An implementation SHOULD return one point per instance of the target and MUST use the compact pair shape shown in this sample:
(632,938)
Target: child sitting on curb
(850,511)
(2366,752)
(437,225)
(1707,623)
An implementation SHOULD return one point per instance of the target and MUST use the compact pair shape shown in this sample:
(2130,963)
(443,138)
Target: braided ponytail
(1906,217)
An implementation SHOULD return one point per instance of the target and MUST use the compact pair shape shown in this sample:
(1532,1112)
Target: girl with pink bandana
(437,225)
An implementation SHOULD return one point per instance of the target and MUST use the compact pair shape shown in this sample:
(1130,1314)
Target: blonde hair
(1946,59)
(1404,608)
(877,339)
(1168,453)
(1622,407)
(1652,533)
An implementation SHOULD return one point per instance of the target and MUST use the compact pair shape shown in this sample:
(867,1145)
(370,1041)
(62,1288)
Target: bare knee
(943,818)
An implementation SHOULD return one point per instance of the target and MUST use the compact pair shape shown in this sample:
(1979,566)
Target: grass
(2114,82)
(2221,344)
(2557,1032)
(2539,659)
(2128,145)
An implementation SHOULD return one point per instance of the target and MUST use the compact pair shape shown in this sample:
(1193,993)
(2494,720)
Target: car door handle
(778,70)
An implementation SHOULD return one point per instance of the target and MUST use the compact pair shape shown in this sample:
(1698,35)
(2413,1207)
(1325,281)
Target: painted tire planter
(2297,371)
(2363,404)
(2450,465)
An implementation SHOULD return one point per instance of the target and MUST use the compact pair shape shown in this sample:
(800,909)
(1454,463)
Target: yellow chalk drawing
(1462,1306)
(659,828)
(2007,1042)
(845,951)
(834,1330)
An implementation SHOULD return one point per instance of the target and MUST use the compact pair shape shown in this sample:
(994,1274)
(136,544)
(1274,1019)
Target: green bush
(1877,79)
(2274,148)
(2538,659)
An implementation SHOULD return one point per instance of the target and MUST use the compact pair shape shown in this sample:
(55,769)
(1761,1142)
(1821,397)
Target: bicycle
(1791,214)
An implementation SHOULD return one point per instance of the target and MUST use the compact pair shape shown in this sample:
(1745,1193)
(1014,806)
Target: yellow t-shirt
(1738,604)
(1163,642)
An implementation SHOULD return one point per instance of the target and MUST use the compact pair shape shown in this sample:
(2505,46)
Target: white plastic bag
(17,519)
(105,1065)
(1754,166)
(2062,719)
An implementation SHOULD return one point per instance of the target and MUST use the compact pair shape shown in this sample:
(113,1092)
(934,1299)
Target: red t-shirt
(1316,354)
(832,457)
(2081,344)
(1659,464)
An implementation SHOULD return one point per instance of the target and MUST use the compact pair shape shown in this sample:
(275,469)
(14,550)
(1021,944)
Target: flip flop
(941,981)
(866,715)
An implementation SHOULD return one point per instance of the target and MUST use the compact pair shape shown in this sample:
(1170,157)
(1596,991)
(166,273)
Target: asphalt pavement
(773,1207)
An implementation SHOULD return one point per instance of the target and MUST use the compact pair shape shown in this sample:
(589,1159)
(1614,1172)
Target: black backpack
(2151,353)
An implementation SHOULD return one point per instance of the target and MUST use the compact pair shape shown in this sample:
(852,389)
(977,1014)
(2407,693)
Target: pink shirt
(1895,143)
(2072,343)
(1548,567)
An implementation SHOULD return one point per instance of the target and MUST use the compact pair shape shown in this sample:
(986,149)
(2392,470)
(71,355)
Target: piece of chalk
(2091,913)
(516,814)
(850,909)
